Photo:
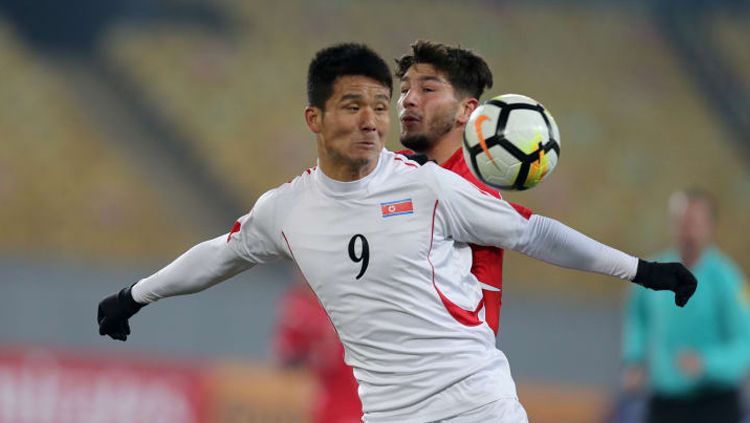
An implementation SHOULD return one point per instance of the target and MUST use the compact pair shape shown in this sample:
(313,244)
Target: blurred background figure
(693,361)
(305,337)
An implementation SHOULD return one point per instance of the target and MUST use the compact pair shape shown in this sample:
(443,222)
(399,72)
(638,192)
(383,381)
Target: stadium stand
(732,30)
(65,189)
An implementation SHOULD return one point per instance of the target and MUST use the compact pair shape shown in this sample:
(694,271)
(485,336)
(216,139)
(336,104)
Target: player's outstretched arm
(551,241)
(204,265)
(472,217)
(253,240)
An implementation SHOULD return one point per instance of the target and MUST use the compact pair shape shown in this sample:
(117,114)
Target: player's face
(428,107)
(352,128)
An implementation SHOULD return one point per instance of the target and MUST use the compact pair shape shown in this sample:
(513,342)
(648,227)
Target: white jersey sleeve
(472,216)
(250,242)
(257,236)
(555,243)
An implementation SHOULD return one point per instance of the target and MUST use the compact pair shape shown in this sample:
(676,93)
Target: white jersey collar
(339,188)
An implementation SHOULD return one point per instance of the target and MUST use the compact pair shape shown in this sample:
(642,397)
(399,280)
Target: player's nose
(408,99)
(367,119)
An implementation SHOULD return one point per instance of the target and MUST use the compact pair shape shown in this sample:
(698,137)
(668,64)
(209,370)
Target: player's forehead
(357,86)
(424,72)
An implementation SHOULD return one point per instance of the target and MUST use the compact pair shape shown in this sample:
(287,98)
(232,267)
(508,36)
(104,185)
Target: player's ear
(468,105)
(314,118)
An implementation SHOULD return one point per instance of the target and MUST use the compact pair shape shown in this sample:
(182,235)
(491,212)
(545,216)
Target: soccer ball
(511,142)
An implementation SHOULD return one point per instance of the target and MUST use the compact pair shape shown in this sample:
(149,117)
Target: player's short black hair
(465,70)
(343,60)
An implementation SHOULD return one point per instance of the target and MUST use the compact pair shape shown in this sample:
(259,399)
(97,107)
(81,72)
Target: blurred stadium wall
(131,130)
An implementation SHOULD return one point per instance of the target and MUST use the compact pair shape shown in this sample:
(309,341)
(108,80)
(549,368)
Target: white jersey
(388,258)
(380,253)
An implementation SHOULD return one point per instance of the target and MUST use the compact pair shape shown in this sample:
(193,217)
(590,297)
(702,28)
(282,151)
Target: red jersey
(487,262)
(306,336)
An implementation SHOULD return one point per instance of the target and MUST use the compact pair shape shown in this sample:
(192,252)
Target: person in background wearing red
(304,337)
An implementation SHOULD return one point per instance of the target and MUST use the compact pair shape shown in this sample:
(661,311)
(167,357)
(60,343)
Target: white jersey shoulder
(259,238)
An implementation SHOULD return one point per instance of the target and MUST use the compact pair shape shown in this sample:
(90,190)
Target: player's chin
(364,156)
(415,141)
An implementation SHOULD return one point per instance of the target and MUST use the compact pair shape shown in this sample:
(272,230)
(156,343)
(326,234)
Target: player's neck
(444,149)
(346,172)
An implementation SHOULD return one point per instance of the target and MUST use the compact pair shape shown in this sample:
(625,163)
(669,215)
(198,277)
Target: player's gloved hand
(667,276)
(114,312)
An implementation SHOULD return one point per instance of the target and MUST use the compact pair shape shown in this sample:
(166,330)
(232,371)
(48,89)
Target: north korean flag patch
(397,208)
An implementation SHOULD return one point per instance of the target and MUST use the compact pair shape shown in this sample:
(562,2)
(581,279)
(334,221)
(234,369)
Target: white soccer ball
(511,142)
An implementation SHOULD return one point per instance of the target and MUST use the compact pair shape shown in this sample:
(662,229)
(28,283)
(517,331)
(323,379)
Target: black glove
(667,276)
(114,312)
